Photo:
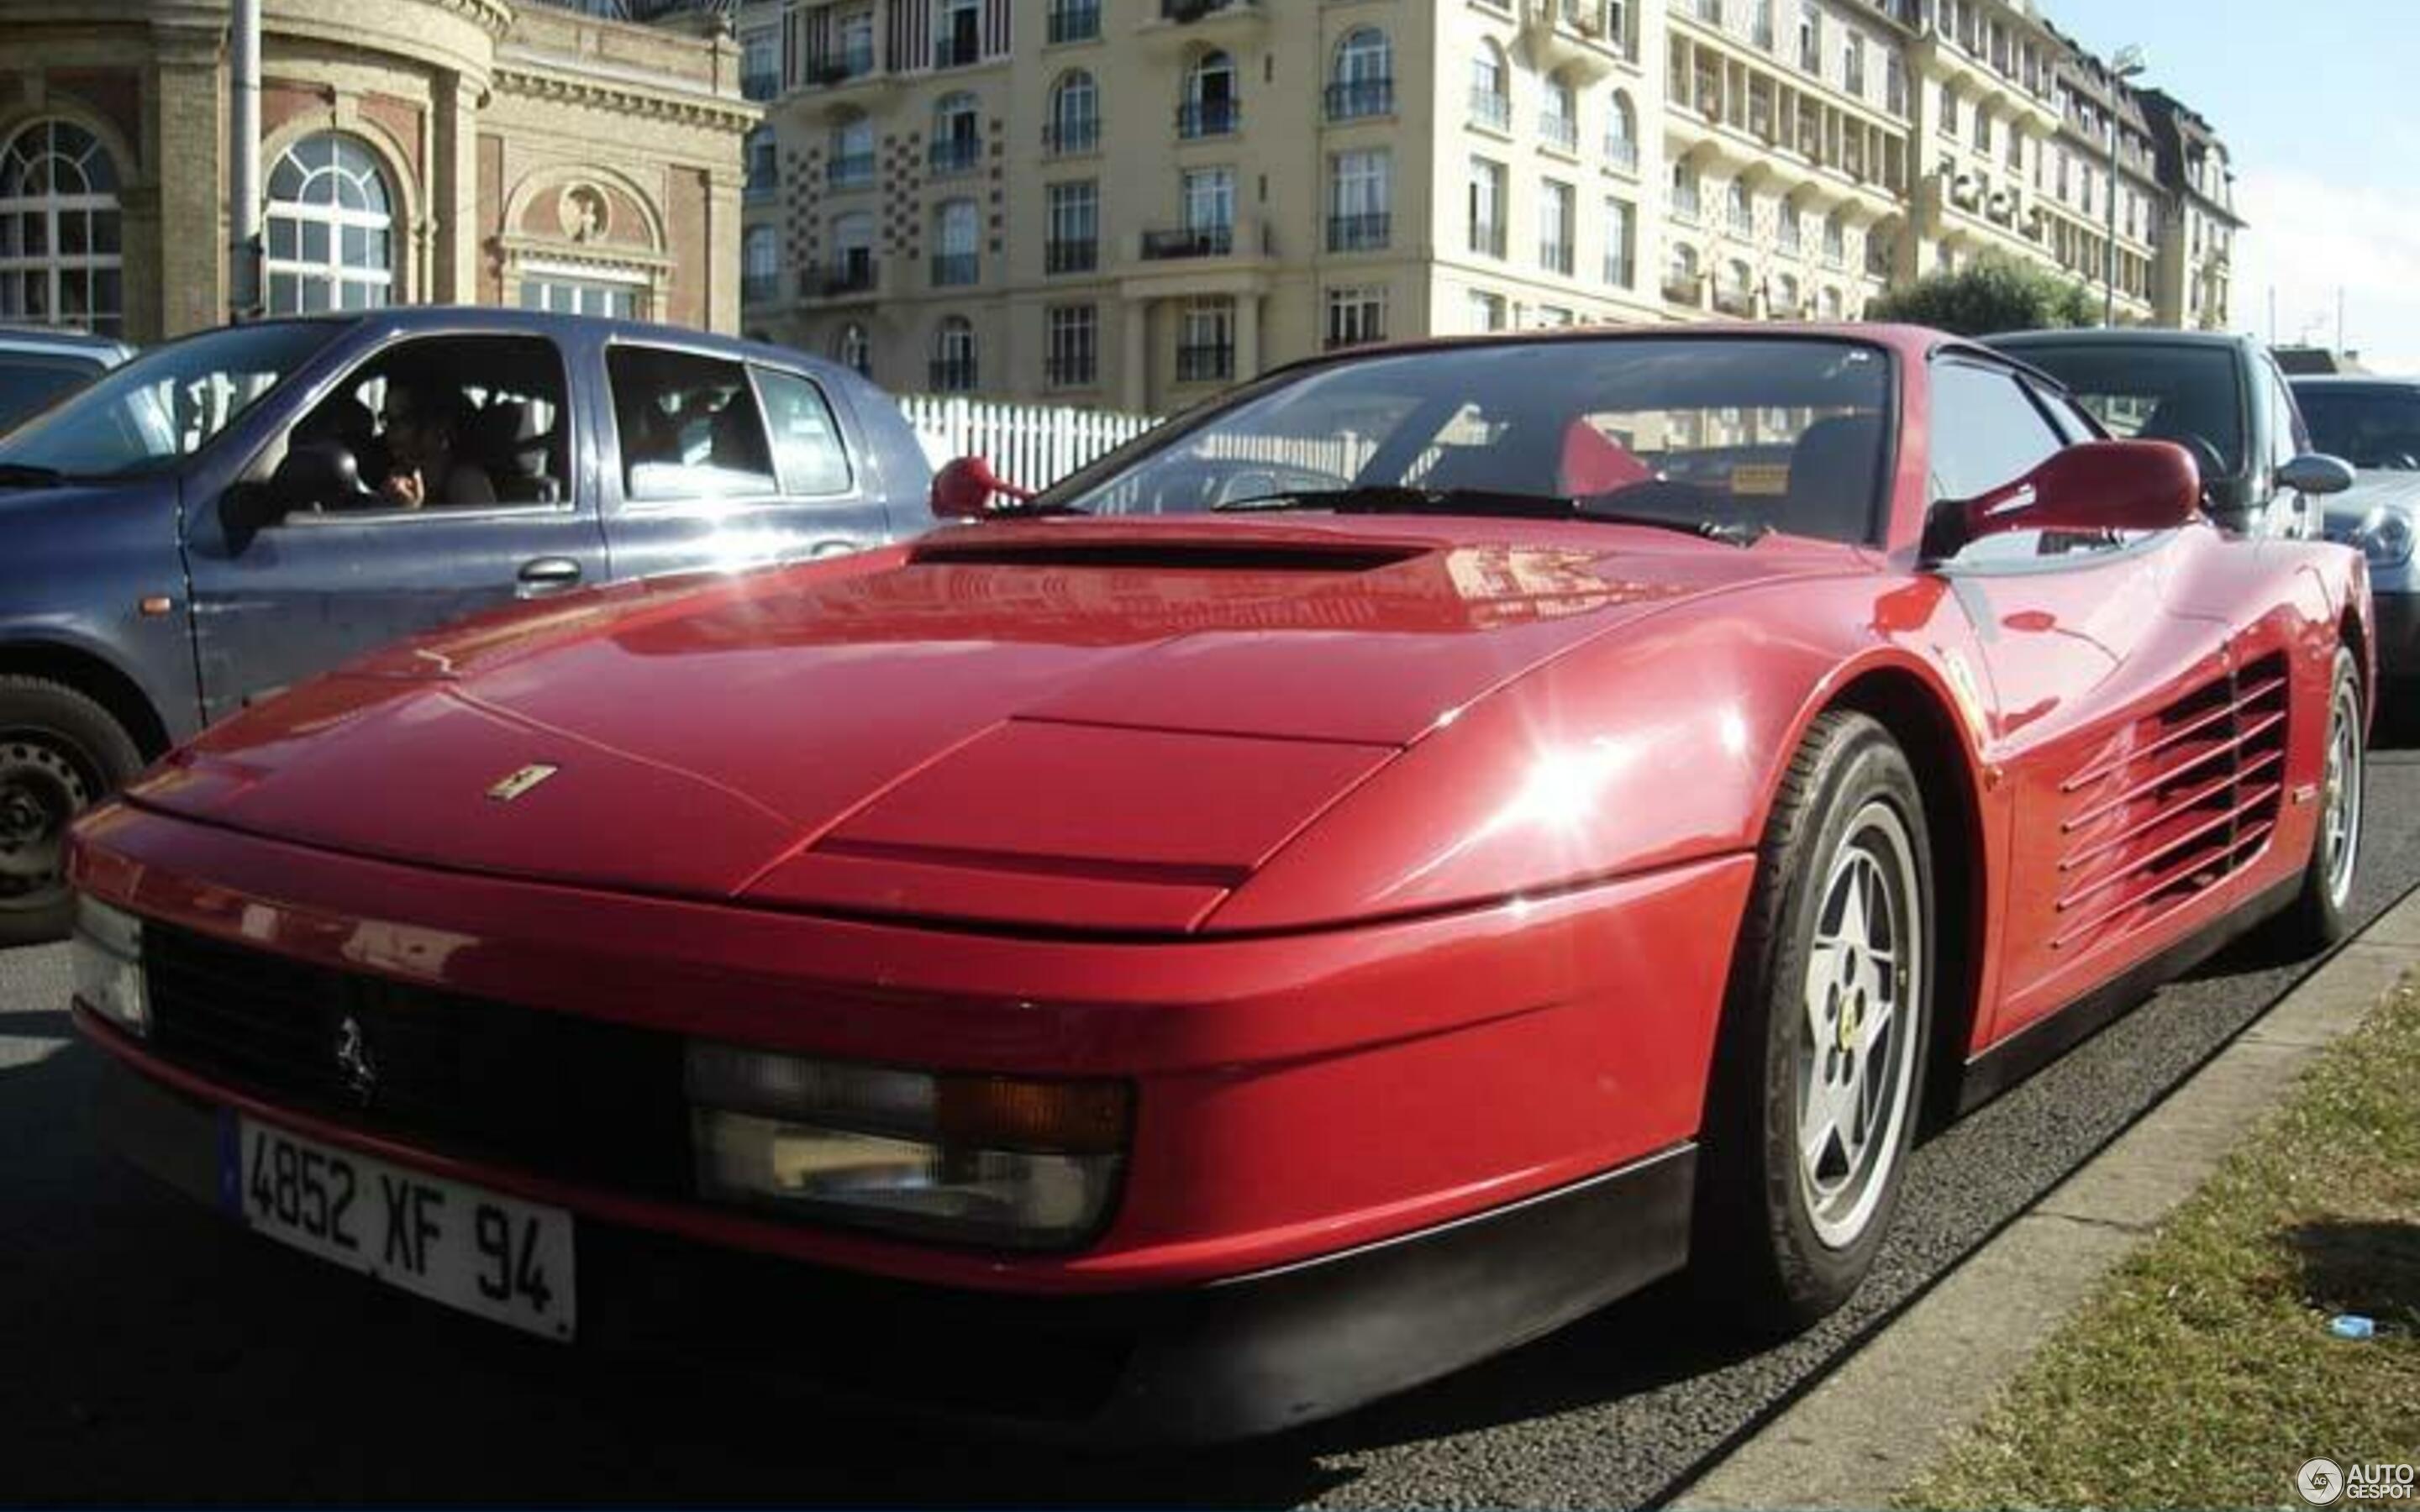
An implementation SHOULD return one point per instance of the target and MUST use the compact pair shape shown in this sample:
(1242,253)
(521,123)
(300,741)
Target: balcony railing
(1622,153)
(1490,109)
(1682,288)
(840,279)
(1738,303)
(1555,256)
(955,269)
(1367,232)
(1196,9)
(1075,21)
(1560,131)
(1205,362)
(1354,99)
(1740,222)
(1683,203)
(759,288)
(760,84)
(1618,271)
(1188,241)
(1071,256)
(956,51)
(951,374)
(1487,238)
(850,170)
(842,66)
(957,154)
(1198,118)
(1081,133)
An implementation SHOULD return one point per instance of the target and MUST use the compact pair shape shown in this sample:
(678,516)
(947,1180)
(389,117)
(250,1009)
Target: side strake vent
(2175,803)
(1171,556)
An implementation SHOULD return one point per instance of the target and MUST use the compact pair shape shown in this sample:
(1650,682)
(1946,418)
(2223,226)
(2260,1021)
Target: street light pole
(2126,65)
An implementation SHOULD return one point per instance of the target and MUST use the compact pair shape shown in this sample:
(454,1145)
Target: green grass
(2202,1372)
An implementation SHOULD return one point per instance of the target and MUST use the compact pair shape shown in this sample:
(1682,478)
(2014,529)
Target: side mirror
(316,475)
(2314,472)
(2093,486)
(964,489)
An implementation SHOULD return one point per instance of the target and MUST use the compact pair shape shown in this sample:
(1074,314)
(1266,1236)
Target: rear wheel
(60,753)
(1819,1071)
(2320,915)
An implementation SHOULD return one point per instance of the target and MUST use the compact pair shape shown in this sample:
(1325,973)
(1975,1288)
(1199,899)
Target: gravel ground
(158,1354)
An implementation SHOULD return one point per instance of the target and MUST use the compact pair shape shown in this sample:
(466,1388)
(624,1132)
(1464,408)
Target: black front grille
(551,1093)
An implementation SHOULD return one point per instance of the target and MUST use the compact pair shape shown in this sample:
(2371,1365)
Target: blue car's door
(721,463)
(507,514)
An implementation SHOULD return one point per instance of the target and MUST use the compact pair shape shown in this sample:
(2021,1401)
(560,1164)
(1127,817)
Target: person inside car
(423,420)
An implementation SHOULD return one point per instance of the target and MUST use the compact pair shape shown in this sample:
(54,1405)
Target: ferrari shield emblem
(521,781)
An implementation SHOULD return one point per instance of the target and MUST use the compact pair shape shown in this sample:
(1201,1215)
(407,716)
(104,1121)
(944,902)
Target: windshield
(164,405)
(2367,428)
(1786,433)
(2145,391)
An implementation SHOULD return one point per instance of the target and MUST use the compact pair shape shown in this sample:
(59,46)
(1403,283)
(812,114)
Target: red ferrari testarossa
(1360,877)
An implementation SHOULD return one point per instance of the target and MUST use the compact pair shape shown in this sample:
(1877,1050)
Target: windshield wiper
(27,474)
(1398,499)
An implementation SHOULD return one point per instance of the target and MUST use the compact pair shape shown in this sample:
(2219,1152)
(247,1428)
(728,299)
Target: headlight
(107,954)
(1013,1162)
(2385,537)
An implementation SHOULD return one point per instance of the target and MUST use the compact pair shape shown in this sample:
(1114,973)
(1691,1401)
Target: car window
(688,426)
(450,422)
(2369,427)
(2291,438)
(30,381)
(2154,390)
(150,414)
(2072,420)
(807,448)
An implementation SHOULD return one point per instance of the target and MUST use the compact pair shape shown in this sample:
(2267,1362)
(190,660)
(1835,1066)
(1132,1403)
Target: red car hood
(1095,723)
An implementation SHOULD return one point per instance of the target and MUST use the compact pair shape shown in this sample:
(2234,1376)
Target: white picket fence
(1033,446)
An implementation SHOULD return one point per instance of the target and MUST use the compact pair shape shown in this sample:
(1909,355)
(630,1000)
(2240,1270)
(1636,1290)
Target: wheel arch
(1928,731)
(97,678)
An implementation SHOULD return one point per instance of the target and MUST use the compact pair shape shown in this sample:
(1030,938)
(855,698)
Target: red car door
(2112,709)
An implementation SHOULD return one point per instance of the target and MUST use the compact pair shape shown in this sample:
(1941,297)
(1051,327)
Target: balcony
(957,270)
(1188,241)
(1555,257)
(1200,119)
(1369,232)
(1683,203)
(1739,304)
(1205,362)
(1560,133)
(951,374)
(1682,288)
(1740,222)
(849,170)
(1622,155)
(1491,110)
(953,155)
(1075,21)
(1487,238)
(1619,270)
(1174,25)
(759,288)
(1358,99)
(1072,137)
(847,277)
(1568,37)
(846,66)
(961,51)
(1071,256)
(760,84)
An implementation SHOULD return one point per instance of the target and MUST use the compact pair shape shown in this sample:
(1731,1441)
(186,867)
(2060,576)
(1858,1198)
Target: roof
(2125,336)
(2353,382)
(59,338)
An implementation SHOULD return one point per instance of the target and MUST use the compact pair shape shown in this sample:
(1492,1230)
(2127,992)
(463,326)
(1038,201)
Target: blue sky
(2320,103)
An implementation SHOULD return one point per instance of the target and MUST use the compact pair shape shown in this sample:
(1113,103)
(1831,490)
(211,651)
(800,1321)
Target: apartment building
(1134,203)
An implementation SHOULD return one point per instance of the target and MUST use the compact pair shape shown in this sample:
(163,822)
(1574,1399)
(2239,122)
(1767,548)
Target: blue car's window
(806,439)
(166,404)
(1790,433)
(29,380)
(2367,428)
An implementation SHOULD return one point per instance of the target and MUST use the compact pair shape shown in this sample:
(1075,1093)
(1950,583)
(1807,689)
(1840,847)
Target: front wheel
(60,753)
(1819,1068)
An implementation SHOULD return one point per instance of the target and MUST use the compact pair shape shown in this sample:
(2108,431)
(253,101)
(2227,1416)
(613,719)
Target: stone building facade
(1131,203)
(464,151)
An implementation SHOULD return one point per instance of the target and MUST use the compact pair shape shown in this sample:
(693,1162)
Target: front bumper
(1246,1355)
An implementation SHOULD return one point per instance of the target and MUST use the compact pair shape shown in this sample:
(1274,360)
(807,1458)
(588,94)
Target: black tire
(60,752)
(1768,1242)
(2319,915)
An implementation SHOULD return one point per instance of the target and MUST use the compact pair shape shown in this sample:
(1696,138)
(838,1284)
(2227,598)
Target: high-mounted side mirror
(964,489)
(2315,472)
(2095,485)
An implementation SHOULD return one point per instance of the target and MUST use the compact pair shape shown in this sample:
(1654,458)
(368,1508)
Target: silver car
(2374,423)
(40,365)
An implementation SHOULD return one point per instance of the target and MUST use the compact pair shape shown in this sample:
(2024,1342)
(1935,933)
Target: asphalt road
(155,1353)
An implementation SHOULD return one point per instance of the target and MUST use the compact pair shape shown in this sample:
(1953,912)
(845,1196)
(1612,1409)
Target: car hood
(1079,724)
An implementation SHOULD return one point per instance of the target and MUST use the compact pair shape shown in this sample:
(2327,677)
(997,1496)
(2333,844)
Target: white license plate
(481,1251)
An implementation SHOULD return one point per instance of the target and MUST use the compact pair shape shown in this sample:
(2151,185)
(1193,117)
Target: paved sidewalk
(1877,1421)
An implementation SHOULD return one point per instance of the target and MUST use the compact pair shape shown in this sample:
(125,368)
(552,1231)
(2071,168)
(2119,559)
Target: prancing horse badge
(521,781)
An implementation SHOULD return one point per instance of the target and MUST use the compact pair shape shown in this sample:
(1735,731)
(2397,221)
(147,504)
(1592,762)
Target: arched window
(1982,130)
(1836,238)
(760,264)
(331,228)
(1681,265)
(1786,305)
(1074,113)
(1622,132)
(764,162)
(953,356)
(853,348)
(1559,113)
(59,229)
(957,134)
(852,270)
(1212,107)
(1832,305)
(1740,206)
(852,152)
(958,244)
(1363,81)
(1737,292)
(1491,86)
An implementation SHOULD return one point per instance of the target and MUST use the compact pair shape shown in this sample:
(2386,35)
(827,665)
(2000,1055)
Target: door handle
(548,574)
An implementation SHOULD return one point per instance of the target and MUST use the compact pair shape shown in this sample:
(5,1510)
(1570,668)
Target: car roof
(2124,336)
(2354,382)
(513,320)
(60,338)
